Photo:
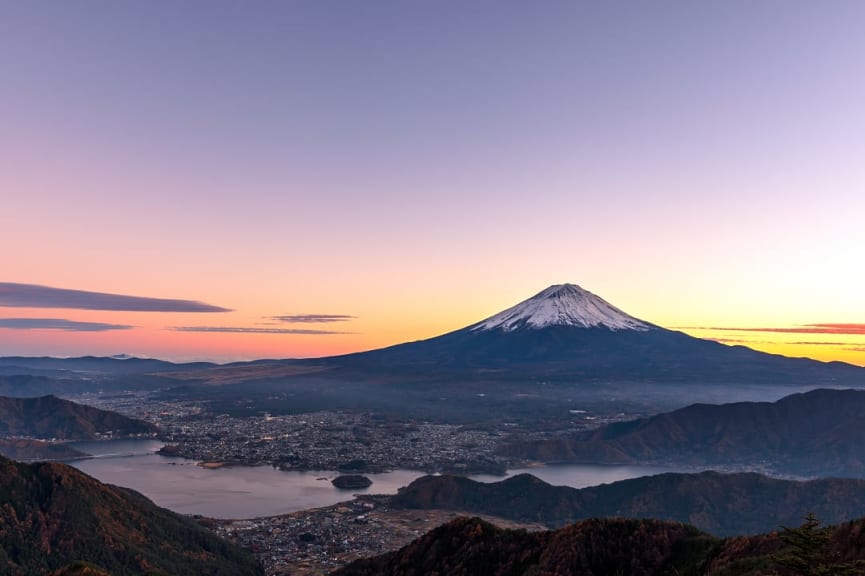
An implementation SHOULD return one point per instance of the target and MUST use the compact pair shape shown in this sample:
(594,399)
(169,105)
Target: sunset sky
(303,178)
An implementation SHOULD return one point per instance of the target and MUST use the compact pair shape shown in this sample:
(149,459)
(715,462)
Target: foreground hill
(818,433)
(53,515)
(722,504)
(469,546)
(52,417)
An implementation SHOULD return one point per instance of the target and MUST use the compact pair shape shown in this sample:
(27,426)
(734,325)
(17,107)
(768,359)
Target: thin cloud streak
(739,341)
(800,343)
(731,340)
(806,343)
(312,318)
(14,295)
(243,330)
(59,324)
(804,329)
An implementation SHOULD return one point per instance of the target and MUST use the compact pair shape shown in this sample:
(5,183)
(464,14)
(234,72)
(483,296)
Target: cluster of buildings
(331,440)
(317,541)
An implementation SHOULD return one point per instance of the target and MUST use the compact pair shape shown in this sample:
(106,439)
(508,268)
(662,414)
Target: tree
(808,551)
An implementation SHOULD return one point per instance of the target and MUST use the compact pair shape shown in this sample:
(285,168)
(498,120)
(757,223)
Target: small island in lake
(351,482)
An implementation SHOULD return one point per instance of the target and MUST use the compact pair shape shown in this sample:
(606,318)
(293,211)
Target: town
(333,440)
(315,542)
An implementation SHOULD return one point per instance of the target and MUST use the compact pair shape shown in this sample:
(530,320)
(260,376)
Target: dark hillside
(469,546)
(817,433)
(721,504)
(52,515)
(52,417)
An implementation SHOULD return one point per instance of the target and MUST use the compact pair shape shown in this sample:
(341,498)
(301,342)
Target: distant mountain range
(25,377)
(96,365)
(470,546)
(54,517)
(721,504)
(818,433)
(49,417)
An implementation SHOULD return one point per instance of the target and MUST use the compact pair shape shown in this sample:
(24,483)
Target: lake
(248,492)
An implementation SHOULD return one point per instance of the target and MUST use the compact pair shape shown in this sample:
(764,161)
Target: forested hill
(817,433)
(721,504)
(52,515)
(52,417)
(604,547)
(594,547)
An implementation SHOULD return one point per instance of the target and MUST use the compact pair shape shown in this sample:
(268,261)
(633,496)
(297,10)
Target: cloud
(312,318)
(242,330)
(803,329)
(742,341)
(59,324)
(840,328)
(15,295)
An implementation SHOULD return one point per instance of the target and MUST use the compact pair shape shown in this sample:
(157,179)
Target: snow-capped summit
(562,305)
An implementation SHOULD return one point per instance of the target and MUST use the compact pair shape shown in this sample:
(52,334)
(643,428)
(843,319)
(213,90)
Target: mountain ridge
(718,503)
(469,546)
(806,434)
(602,547)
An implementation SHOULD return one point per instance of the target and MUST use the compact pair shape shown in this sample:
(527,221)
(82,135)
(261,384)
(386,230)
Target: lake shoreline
(240,491)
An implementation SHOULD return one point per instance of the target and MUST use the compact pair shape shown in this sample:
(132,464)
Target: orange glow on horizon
(848,348)
(154,336)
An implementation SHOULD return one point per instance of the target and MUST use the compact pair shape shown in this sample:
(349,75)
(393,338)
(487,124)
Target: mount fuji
(566,333)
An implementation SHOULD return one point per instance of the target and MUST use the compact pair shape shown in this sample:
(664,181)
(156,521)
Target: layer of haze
(409,167)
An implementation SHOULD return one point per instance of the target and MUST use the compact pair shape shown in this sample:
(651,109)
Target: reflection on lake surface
(248,492)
